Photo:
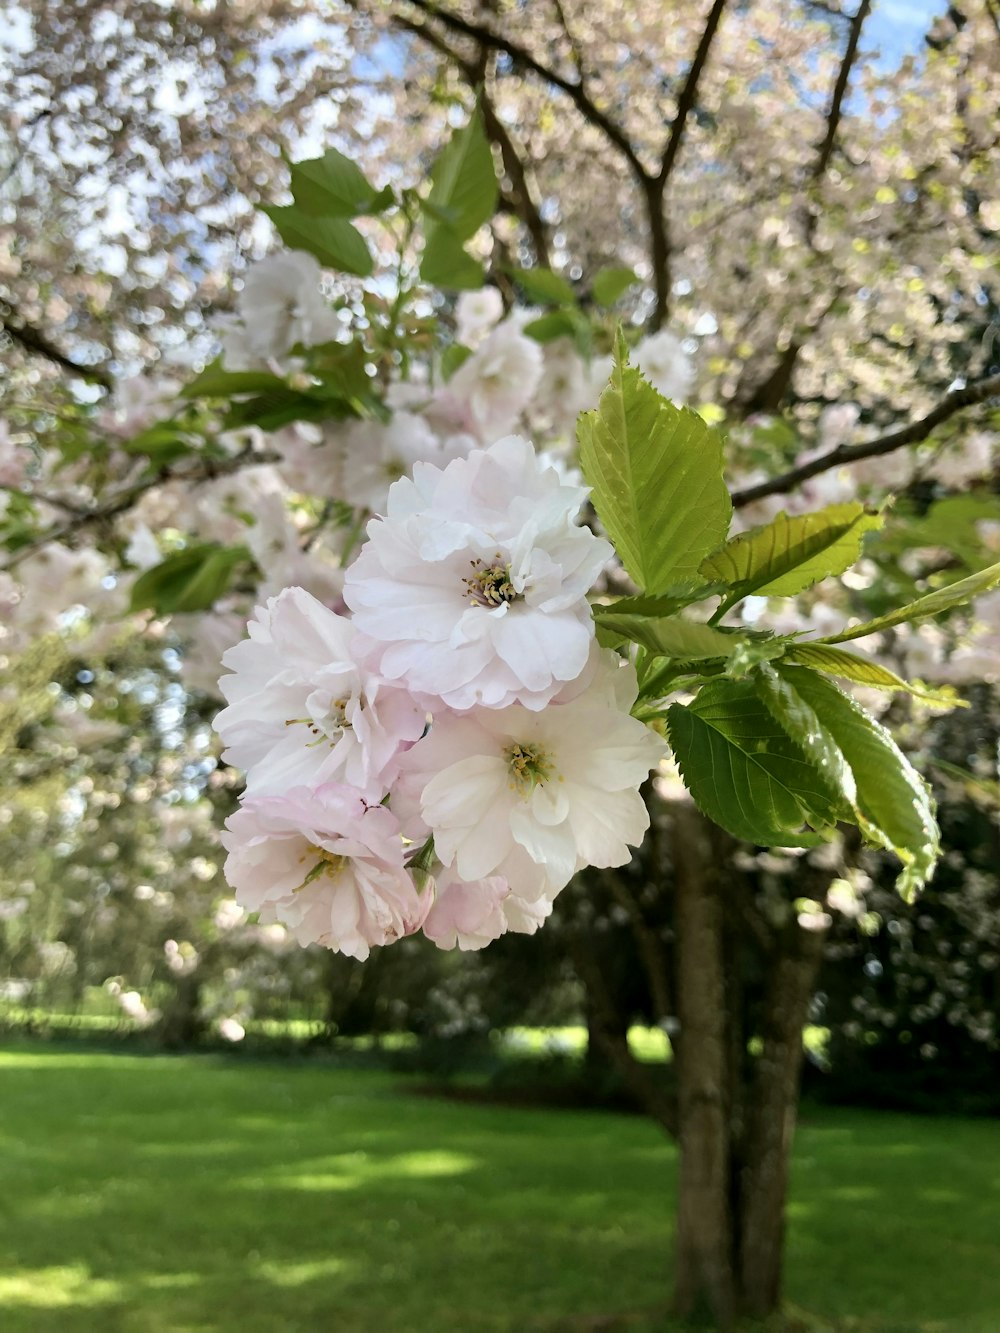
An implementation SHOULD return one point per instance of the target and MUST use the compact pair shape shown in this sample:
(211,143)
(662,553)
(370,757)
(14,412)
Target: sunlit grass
(200,1195)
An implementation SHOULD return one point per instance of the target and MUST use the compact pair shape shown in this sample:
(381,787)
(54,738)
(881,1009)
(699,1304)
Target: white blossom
(280,305)
(496,383)
(531,796)
(664,362)
(300,708)
(474,584)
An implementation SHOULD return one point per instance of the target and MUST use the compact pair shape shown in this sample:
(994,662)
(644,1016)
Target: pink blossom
(327,865)
(302,709)
(467,915)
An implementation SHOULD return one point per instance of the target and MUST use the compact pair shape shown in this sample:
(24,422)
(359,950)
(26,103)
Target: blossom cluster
(447,750)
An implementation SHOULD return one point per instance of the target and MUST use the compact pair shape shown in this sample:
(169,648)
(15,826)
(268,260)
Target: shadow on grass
(196,1195)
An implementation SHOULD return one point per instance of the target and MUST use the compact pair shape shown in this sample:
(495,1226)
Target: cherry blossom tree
(800,250)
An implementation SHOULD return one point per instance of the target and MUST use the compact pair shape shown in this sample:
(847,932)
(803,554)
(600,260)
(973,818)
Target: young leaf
(743,769)
(611,283)
(271,411)
(895,807)
(945,599)
(788,555)
(656,476)
(190,580)
(333,241)
(162,443)
(217,382)
(952,523)
(452,357)
(444,262)
(333,186)
(463,196)
(664,637)
(861,670)
(800,722)
(464,190)
(544,286)
(666,603)
(556,324)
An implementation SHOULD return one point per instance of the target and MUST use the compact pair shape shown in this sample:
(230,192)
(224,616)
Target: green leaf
(664,636)
(951,523)
(752,650)
(162,443)
(863,671)
(564,323)
(445,263)
(453,357)
(799,721)
(217,382)
(656,475)
(788,555)
(743,769)
(333,241)
(463,196)
(544,286)
(333,186)
(271,411)
(342,369)
(611,283)
(546,328)
(191,580)
(944,599)
(666,603)
(895,807)
(464,190)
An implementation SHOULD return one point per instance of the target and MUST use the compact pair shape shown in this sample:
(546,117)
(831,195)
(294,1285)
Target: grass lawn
(143,1194)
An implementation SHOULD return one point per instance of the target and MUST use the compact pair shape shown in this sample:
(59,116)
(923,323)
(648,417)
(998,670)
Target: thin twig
(35,341)
(685,103)
(916,431)
(520,197)
(204,470)
(522,57)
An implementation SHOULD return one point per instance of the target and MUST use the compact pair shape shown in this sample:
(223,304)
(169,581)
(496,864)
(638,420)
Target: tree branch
(203,470)
(520,197)
(36,342)
(918,430)
(768,395)
(522,57)
(685,103)
(574,45)
(835,112)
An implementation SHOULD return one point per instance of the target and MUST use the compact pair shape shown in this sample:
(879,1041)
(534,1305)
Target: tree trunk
(736,1114)
(705,1253)
(771,1116)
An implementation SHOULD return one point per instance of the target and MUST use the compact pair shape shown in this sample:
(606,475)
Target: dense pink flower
(302,711)
(466,915)
(327,865)
(475,582)
(471,914)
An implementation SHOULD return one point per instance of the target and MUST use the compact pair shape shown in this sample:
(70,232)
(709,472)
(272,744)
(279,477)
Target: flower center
(490,585)
(528,765)
(329,728)
(327,863)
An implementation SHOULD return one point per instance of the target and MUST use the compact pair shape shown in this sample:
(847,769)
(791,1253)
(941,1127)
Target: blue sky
(897,27)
